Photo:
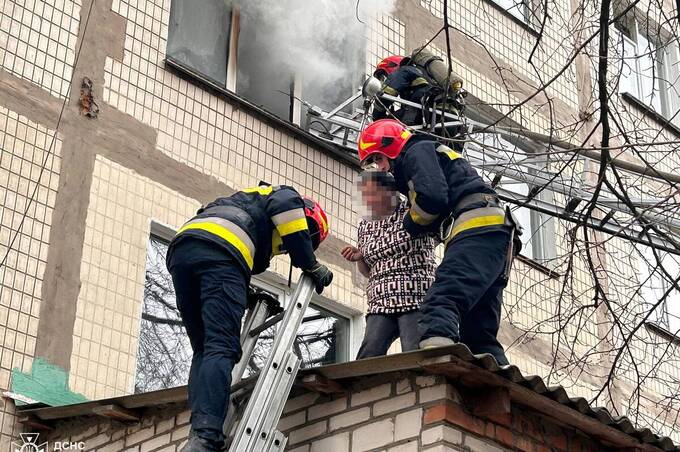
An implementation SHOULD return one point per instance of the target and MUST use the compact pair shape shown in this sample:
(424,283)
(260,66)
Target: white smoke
(322,41)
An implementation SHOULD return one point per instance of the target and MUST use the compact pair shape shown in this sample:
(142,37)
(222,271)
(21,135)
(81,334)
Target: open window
(198,38)
(274,54)
(164,353)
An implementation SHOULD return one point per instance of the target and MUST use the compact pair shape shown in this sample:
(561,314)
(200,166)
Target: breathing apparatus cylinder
(435,68)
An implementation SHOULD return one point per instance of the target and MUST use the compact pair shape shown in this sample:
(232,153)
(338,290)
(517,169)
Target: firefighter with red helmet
(447,196)
(406,81)
(211,260)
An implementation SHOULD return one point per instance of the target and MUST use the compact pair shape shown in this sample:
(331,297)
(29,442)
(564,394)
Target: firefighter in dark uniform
(447,196)
(408,82)
(402,78)
(211,260)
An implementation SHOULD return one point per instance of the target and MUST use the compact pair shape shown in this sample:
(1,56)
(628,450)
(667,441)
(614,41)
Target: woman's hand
(352,254)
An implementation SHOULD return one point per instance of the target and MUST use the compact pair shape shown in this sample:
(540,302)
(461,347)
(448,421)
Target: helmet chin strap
(371,167)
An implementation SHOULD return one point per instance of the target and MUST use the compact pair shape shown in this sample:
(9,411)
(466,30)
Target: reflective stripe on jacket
(435,179)
(255,224)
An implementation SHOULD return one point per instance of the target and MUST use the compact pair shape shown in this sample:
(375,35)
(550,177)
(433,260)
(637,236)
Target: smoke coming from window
(320,41)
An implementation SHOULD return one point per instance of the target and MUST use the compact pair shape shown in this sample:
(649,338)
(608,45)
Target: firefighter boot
(198,444)
(434,342)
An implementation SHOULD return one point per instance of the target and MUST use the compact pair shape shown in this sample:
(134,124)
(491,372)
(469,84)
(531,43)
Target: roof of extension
(457,363)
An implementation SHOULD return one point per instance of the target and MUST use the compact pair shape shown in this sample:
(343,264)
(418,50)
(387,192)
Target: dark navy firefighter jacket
(255,224)
(407,82)
(436,178)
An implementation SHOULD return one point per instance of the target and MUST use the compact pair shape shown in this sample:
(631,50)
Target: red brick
(489,401)
(489,430)
(528,426)
(580,444)
(504,436)
(435,413)
(455,415)
(524,444)
(504,419)
(557,439)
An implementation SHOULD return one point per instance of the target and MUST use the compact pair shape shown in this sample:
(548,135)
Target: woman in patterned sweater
(399,268)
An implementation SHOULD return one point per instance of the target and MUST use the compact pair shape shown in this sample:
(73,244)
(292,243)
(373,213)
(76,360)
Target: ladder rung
(270,322)
(256,429)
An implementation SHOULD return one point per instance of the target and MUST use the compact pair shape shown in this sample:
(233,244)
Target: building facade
(119,119)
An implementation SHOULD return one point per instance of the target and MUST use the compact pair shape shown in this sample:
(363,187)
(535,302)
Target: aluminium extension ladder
(256,431)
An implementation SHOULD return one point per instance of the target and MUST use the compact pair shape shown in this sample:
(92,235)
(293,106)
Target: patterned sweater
(401,267)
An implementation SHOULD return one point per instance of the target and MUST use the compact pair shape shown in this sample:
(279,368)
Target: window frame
(528,21)
(295,106)
(295,90)
(274,284)
(544,250)
(266,282)
(172,56)
(524,15)
(658,325)
(661,72)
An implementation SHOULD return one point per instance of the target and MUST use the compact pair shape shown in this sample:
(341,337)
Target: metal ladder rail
(518,172)
(256,315)
(256,431)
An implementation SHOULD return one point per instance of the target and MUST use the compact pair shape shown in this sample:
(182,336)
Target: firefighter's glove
(321,275)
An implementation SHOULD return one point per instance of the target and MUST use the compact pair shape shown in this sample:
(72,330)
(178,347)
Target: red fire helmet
(388,65)
(386,137)
(316,221)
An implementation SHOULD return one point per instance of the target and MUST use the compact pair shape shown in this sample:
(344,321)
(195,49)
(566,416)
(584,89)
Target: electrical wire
(49,151)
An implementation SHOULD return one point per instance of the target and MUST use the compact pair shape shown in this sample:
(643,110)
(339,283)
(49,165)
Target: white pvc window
(538,238)
(657,287)
(518,8)
(164,353)
(649,69)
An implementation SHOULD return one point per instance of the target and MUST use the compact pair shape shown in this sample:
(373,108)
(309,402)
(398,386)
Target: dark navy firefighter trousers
(464,302)
(211,290)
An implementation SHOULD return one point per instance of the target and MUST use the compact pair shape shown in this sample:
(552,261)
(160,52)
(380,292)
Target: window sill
(163,232)
(538,266)
(649,111)
(525,25)
(662,332)
(188,74)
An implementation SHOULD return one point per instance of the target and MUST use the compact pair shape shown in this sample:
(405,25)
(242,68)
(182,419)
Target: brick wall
(160,429)
(404,413)
(416,413)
